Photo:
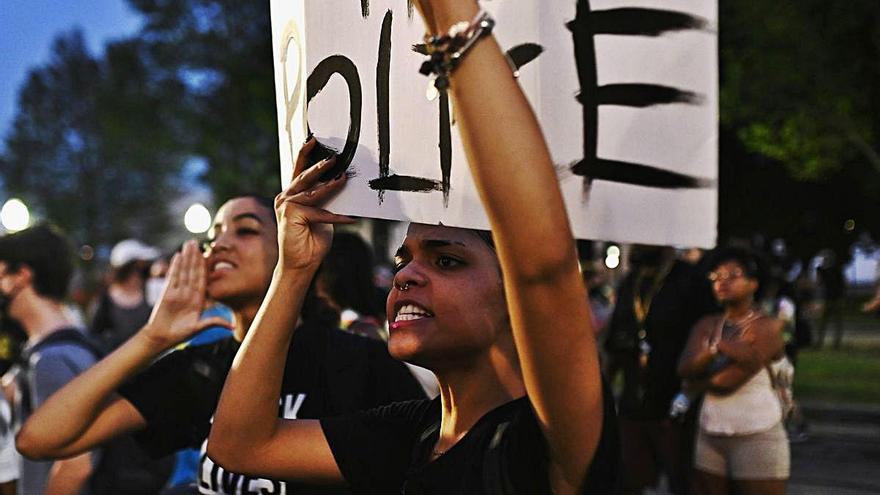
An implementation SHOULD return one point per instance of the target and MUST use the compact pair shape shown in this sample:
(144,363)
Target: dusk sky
(27,28)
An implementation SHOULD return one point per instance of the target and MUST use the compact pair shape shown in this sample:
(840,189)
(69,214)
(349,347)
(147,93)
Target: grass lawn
(846,375)
(850,374)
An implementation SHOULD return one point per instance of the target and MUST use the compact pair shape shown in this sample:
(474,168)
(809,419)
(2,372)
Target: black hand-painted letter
(631,22)
(518,56)
(320,76)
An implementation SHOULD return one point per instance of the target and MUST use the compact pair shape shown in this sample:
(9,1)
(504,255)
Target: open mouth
(222,266)
(411,312)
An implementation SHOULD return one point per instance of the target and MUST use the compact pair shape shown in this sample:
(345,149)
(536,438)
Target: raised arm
(86,412)
(547,300)
(247,436)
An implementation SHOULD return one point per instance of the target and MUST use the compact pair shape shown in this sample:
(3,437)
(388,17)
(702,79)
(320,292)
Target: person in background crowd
(171,402)
(742,445)
(156,280)
(657,304)
(35,269)
(777,300)
(830,275)
(123,308)
(502,319)
(382,277)
(873,304)
(10,461)
(345,282)
(601,295)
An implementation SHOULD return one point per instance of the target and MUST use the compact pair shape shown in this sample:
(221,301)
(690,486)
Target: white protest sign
(626,93)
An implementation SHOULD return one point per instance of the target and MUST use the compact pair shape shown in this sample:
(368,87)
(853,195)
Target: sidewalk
(841,455)
(842,452)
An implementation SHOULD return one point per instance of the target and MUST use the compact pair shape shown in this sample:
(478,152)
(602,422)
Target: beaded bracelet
(446,52)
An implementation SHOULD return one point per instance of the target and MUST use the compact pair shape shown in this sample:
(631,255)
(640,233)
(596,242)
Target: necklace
(745,320)
(729,329)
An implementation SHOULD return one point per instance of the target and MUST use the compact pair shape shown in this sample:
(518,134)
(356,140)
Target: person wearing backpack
(35,268)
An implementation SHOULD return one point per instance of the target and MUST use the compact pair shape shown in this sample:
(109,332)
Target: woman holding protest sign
(502,320)
(737,357)
(170,403)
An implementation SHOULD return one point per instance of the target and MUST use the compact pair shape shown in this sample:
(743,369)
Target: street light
(197,219)
(612,257)
(15,215)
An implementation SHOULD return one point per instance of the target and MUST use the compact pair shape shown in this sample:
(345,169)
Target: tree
(801,81)
(221,52)
(800,85)
(91,146)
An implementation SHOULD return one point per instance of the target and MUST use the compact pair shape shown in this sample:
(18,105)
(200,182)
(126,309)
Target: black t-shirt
(328,372)
(387,451)
(683,298)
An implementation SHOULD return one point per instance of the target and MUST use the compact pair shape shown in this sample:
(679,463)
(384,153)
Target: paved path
(842,453)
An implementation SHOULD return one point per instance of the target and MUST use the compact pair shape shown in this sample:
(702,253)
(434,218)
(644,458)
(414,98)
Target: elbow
(226,451)
(31,446)
(218,448)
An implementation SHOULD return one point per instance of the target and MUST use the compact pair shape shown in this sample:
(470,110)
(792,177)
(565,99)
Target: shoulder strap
(68,336)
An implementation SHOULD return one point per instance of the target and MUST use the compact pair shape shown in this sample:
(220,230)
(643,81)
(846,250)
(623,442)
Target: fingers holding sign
(305,230)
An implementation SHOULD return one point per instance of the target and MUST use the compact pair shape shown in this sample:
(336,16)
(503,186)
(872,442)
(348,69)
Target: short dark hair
(46,251)
(744,257)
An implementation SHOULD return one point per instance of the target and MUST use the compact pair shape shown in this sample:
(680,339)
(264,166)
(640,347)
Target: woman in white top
(741,443)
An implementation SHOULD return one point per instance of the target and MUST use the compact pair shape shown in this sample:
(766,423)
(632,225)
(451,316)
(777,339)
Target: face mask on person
(153,289)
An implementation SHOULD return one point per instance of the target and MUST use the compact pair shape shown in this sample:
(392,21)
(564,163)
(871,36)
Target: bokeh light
(197,219)
(15,215)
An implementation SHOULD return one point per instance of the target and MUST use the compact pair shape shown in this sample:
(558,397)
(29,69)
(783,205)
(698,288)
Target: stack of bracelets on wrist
(445,52)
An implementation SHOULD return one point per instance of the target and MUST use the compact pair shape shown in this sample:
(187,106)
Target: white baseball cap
(130,250)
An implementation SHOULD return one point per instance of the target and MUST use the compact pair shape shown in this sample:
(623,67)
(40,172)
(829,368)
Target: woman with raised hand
(170,403)
(502,320)
(742,446)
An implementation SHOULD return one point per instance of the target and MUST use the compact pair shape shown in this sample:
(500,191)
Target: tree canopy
(221,51)
(800,81)
(91,145)
(800,86)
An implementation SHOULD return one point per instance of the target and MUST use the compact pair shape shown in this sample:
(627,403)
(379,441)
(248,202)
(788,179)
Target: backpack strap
(63,336)
(68,336)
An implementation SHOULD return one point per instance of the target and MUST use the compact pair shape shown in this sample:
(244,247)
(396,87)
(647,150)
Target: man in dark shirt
(657,305)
